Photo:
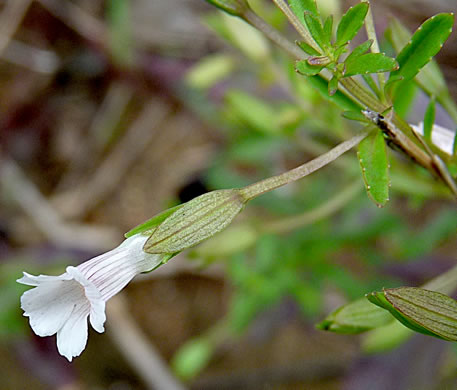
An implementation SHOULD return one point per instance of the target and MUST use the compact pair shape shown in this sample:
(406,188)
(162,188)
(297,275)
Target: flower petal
(93,295)
(32,280)
(72,337)
(50,304)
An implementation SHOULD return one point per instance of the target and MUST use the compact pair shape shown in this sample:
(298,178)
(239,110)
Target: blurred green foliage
(274,119)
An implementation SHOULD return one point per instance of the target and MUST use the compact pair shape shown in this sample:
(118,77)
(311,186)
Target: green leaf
(299,7)
(424,311)
(430,79)
(372,84)
(316,30)
(403,101)
(350,23)
(196,221)
(333,85)
(233,7)
(151,224)
(253,111)
(303,67)
(210,70)
(355,317)
(375,167)
(328,29)
(429,119)
(424,44)
(192,358)
(369,63)
(307,48)
(359,50)
(355,116)
(339,98)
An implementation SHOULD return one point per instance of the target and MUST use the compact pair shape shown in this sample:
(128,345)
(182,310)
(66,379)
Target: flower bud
(424,311)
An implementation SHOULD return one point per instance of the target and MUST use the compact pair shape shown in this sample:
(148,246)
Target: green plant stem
(326,209)
(274,35)
(371,33)
(284,7)
(366,98)
(252,191)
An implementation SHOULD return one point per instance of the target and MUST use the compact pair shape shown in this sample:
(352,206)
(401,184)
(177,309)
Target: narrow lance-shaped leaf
(429,119)
(196,221)
(424,44)
(350,23)
(328,28)
(369,63)
(333,85)
(316,30)
(307,48)
(424,311)
(375,167)
(359,50)
(303,67)
(299,7)
(355,317)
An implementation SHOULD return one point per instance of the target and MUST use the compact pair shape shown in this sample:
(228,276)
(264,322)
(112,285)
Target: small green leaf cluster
(326,52)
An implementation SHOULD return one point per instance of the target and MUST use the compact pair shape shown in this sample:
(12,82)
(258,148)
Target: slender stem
(362,94)
(282,5)
(274,35)
(252,191)
(371,33)
(326,209)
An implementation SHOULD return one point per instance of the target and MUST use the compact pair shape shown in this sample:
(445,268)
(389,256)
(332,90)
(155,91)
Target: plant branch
(282,5)
(252,191)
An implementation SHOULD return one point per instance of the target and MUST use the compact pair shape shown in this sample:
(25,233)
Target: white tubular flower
(442,137)
(61,304)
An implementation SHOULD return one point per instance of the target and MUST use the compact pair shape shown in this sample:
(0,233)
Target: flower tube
(61,304)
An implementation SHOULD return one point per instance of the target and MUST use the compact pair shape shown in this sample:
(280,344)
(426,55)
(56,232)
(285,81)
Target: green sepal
(424,311)
(316,30)
(424,44)
(355,317)
(304,68)
(373,161)
(232,7)
(429,119)
(369,63)
(151,224)
(197,220)
(350,23)
(307,48)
